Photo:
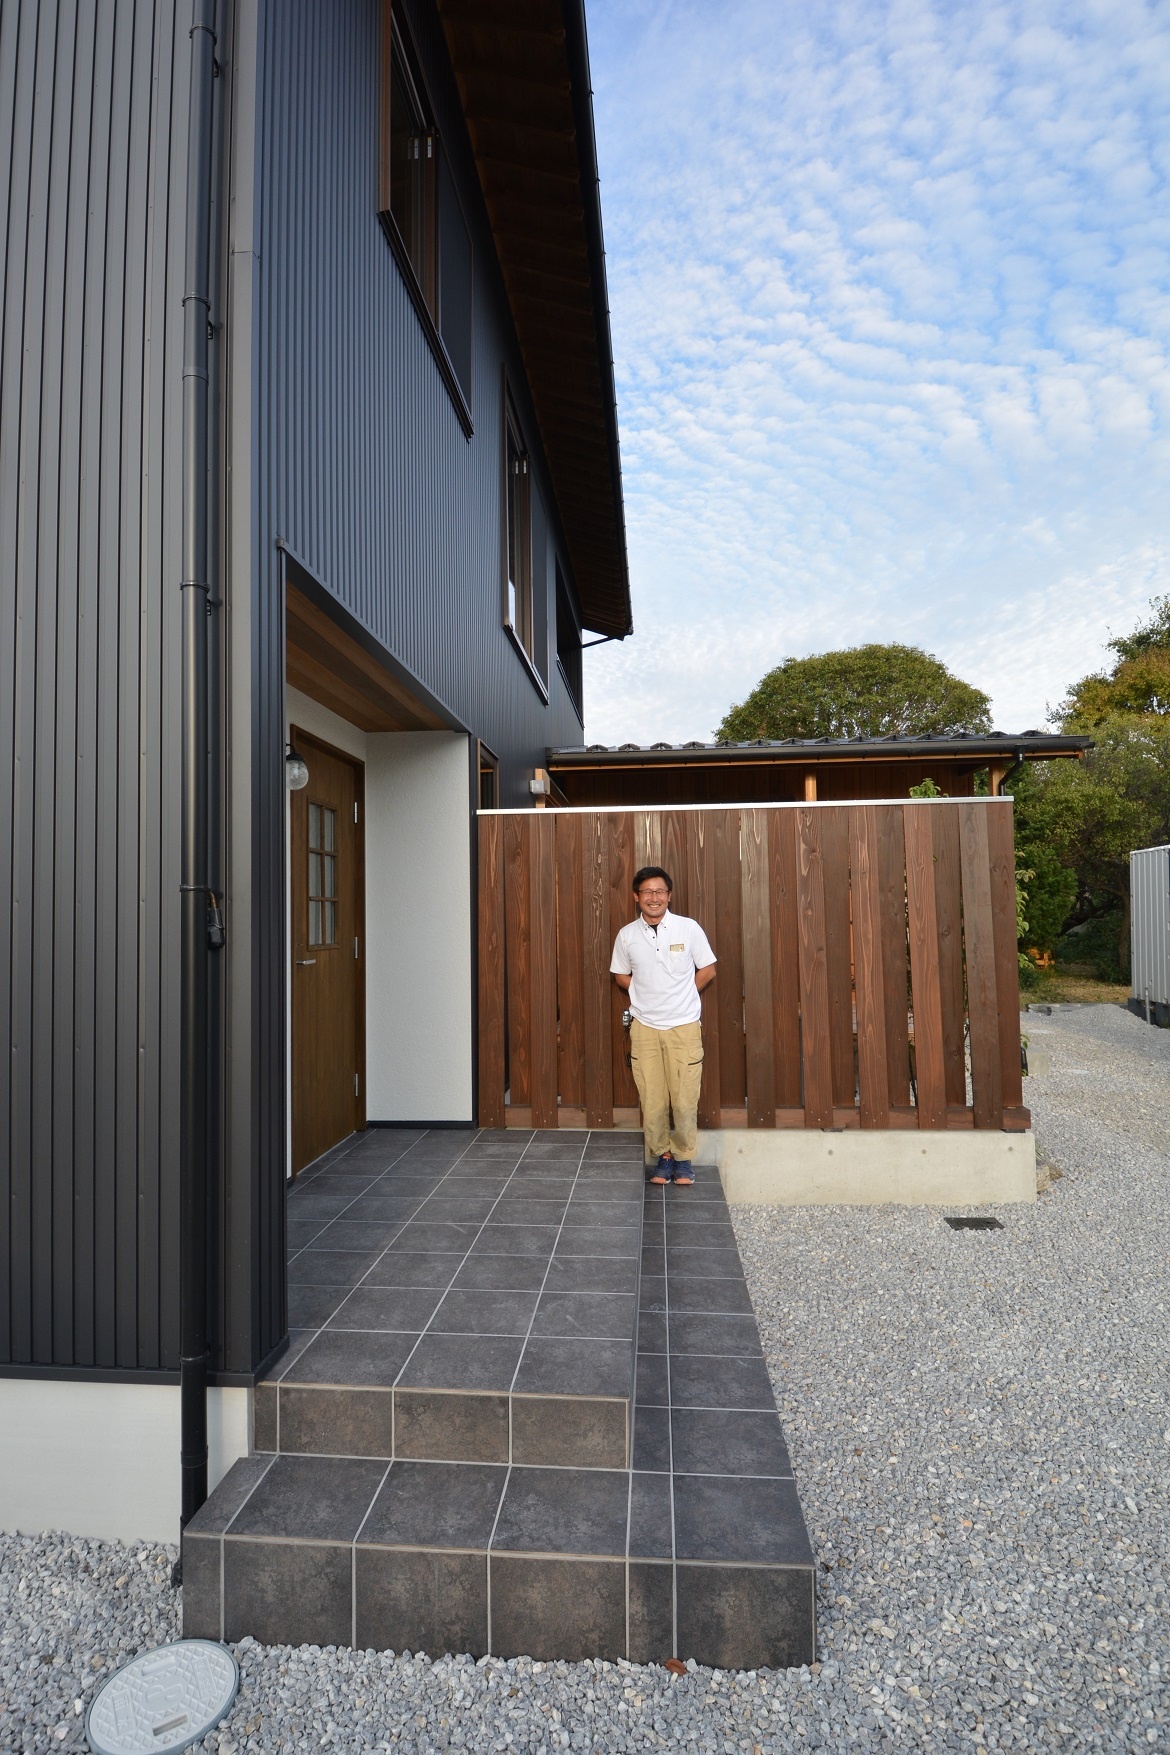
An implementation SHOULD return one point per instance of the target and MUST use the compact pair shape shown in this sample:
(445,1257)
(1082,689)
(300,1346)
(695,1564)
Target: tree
(1138,685)
(1077,822)
(863,691)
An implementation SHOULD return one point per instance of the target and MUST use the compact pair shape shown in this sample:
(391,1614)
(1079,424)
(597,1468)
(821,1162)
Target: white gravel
(980,1427)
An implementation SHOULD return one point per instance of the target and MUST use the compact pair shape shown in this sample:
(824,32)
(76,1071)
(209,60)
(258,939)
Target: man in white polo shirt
(663,961)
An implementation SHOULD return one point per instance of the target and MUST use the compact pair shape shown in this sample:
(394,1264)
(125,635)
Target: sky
(890,298)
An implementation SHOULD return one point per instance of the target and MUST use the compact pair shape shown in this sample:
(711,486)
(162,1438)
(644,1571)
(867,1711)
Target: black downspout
(196,895)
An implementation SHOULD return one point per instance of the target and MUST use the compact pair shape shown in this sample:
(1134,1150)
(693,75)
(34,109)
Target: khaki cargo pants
(668,1069)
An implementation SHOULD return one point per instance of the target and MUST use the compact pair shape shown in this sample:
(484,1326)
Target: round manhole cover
(163,1700)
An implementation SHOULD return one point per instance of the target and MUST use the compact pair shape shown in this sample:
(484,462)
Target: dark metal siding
(366,471)
(93,101)
(340,437)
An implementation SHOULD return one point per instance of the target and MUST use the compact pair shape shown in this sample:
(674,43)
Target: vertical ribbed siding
(367,473)
(92,307)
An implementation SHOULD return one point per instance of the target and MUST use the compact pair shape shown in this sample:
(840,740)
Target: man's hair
(651,871)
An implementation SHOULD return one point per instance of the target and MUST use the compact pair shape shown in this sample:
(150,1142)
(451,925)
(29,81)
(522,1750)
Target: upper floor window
(421,209)
(518,534)
(412,172)
(568,642)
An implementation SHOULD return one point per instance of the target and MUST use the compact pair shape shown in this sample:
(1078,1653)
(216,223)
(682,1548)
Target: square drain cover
(977,1224)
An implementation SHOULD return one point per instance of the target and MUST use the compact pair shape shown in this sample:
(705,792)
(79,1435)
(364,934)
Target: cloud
(892,341)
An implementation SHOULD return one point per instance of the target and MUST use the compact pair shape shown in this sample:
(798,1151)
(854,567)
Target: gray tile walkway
(451,1434)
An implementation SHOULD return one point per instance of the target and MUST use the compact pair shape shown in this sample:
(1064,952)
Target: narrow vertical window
(518,533)
(568,643)
(409,159)
(322,875)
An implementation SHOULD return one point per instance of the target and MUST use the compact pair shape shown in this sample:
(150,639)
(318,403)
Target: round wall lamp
(296,771)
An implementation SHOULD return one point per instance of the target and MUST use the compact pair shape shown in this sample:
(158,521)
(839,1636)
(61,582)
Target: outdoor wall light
(296,770)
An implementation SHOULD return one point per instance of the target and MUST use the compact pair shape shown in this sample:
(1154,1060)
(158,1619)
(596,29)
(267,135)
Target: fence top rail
(658,810)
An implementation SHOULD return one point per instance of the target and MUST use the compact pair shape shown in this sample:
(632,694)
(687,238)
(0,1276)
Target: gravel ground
(979,1424)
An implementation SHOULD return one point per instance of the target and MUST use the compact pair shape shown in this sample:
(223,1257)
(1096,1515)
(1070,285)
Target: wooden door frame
(302,740)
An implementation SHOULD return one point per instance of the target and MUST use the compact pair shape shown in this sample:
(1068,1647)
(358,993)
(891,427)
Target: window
(422,214)
(518,533)
(568,642)
(408,171)
(322,875)
(454,278)
(489,775)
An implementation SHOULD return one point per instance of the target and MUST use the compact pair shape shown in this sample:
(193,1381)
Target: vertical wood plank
(701,907)
(517,960)
(872,1076)
(948,916)
(895,967)
(492,1023)
(597,947)
(570,962)
(755,874)
(979,948)
(785,944)
(839,953)
(928,1037)
(1002,852)
(672,856)
(541,827)
(622,908)
(647,838)
(814,985)
(728,984)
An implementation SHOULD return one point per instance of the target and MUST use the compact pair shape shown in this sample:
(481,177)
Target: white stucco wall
(102,1459)
(418,927)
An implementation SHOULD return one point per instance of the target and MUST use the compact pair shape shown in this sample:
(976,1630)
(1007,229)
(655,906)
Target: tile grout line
(357,1197)
(463,1263)
(670,1431)
(353,1555)
(360,1284)
(552,1252)
(631,1416)
(490,1541)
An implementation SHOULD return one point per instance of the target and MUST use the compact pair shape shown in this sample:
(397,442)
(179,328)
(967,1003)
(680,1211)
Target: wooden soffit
(329,666)
(523,76)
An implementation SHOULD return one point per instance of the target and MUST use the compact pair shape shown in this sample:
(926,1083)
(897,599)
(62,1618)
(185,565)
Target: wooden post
(810,789)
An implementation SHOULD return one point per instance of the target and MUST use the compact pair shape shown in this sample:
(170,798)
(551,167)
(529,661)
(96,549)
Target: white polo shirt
(662,961)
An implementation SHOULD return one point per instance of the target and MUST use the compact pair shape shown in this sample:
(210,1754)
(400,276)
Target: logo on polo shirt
(678,947)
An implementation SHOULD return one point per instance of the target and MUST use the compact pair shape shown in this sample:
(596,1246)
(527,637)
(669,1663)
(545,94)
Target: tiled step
(474,1557)
(694,1545)
(471,1300)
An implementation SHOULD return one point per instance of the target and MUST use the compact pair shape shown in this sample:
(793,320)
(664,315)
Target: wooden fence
(867,963)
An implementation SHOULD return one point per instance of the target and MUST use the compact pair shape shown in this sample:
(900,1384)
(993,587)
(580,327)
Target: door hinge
(355,1084)
(355,810)
(355,948)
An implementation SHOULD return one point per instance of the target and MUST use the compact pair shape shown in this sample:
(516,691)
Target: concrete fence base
(796,1168)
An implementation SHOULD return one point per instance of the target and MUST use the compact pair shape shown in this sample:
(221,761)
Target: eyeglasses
(651,895)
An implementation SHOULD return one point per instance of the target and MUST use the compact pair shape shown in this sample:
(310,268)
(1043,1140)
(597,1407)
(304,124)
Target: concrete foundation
(102,1459)
(779,1167)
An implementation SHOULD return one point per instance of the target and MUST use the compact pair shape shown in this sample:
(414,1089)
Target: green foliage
(1051,884)
(1095,945)
(1077,822)
(864,691)
(1138,685)
(927,789)
(1152,636)
(1029,974)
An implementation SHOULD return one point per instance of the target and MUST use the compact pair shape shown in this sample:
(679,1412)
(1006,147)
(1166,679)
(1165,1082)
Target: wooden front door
(327,929)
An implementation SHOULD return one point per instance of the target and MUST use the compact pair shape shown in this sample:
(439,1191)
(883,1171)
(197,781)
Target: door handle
(305,962)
